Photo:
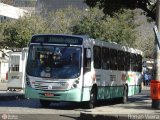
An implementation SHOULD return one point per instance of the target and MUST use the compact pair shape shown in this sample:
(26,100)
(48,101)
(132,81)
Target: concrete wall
(11,12)
(4,70)
(3,64)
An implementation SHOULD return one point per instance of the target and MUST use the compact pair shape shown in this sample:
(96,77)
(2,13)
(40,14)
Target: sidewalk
(3,86)
(9,95)
(137,108)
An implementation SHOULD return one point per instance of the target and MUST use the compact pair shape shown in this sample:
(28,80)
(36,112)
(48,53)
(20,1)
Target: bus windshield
(59,62)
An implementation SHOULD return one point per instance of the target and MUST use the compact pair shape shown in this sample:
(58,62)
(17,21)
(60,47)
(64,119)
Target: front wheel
(93,99)
(45,103)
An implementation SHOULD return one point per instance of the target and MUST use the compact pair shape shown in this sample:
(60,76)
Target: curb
(101,116)
(6,96)
(86,116)
(140,111)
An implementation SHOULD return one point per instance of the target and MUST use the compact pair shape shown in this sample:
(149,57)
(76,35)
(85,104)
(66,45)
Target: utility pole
(157,48)
(155,83)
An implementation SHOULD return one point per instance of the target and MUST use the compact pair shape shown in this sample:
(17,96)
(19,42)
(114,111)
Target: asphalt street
(27,109)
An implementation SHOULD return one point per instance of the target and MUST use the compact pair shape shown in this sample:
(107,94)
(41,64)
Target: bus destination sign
(57,39)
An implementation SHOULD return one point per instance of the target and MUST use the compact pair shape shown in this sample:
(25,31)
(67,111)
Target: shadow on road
(71,106)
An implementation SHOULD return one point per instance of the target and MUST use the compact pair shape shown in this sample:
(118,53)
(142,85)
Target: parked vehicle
(16,72)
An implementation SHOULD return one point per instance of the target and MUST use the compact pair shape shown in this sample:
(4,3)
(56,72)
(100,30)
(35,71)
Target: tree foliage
(145,37)
(111,6)
(63,20)
(119,28)
(16,33)
(93,22)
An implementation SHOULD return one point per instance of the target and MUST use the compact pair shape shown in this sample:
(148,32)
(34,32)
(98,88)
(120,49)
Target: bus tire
(45,103)
(140,88)
(125,94)
(93,98)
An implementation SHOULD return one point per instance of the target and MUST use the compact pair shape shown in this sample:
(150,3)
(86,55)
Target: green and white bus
(77,68)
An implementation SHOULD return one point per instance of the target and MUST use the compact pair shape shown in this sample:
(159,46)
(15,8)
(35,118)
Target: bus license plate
(49,94)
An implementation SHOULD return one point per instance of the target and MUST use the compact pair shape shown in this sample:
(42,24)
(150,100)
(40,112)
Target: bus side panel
(86,94)
(73,95)
(31,93)
(133,89)
(116,91)
(107,92)
(134,83)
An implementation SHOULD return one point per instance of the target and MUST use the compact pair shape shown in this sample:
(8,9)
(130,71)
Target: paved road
(23,109)
(31,109)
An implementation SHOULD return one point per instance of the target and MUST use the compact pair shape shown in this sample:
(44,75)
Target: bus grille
(49,86)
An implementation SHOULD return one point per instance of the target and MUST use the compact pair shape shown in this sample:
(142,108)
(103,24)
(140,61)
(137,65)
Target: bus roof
(87,41)
(69,35)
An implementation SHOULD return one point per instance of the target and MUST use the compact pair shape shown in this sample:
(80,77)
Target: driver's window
(87,61)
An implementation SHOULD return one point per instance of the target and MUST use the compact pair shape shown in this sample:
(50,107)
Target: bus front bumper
(73,95)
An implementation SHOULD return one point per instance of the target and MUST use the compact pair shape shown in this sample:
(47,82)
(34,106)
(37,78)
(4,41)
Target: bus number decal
(113,77)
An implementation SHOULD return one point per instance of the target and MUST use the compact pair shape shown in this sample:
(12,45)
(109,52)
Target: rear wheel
(45,103)
(125,94)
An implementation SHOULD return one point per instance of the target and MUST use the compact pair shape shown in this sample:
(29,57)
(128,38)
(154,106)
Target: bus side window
(139,63)
(133,62)
(113,59)
(87,60)
(120,60)
(127,61)
(15,63)
(105,58)
(97,57)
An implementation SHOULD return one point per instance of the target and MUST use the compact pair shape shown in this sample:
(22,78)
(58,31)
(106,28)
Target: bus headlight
(63,85)
(75,84)
(28,81)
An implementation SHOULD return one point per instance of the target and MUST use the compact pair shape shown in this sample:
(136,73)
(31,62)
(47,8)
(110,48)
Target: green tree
(118,28)
(143,36)
(111,6)
(62,21)
(93,22)
(1,34)
(17,33)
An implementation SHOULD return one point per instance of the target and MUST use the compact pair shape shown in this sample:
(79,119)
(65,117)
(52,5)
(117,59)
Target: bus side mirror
(88,53)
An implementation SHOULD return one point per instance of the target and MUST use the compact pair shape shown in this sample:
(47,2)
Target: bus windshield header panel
(57,39)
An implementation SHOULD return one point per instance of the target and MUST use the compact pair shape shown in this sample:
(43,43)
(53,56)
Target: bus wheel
(93,99)
(45,103)
(125,94)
